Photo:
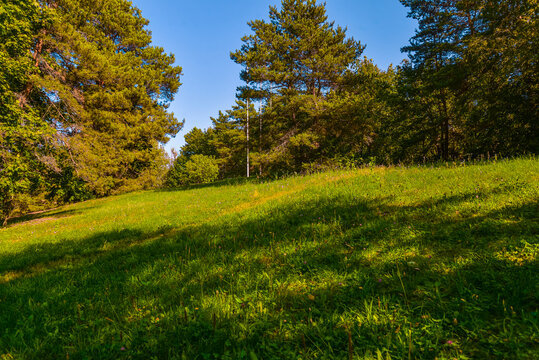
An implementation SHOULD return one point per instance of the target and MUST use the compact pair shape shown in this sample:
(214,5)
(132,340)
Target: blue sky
(202,33)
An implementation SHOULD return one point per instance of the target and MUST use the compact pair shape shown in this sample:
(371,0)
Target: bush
(198,169)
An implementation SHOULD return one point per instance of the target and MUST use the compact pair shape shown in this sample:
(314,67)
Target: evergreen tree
(358,112)
(230,139)
(84,100)
(123,85)
(435,70)
(199,142)
(471,85)
(22,129)
(295,60)
(502,98)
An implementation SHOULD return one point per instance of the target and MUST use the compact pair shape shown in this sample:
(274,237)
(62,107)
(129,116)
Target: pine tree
(471,86)
(22,128)
(435,69)
(230,138)
(84,99)
(502,98)
(359,112)
(294,61)
(123,86)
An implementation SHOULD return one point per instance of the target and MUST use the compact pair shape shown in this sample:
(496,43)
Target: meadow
(428,262)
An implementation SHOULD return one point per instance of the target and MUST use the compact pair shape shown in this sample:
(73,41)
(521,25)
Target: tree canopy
(468,89)
(85,99)
(293,63)
(471,82)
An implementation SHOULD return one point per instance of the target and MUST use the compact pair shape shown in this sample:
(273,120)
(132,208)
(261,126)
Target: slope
(418,262)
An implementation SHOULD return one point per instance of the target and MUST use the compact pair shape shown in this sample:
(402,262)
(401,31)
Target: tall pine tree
(123,85)
(295,60)
(84,100)
(502,97)
(471,85)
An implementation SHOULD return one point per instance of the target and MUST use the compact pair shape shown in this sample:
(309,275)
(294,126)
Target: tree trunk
(260,139)
(445,129)
(248,174)
(446,139)
(7,207)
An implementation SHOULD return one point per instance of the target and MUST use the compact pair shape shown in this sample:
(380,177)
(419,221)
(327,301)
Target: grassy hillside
(416,263)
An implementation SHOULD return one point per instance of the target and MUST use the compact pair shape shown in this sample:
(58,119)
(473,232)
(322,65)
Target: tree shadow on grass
(216,184)
(319,278)
(43,216)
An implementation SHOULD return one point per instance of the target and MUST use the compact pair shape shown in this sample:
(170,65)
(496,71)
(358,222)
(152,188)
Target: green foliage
(198,169)
(22,130)
(84,96)
(471,86)
(126,86)
(469,90)
(357,115)
(83,101)
(230,138)
(199,142)
(292,63)
(198,152)
(201,169)
(176,173)
(317,99)
(502,103)
(421,262)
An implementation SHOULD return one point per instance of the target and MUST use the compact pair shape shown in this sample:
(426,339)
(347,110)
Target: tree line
(84,97)
(310,98)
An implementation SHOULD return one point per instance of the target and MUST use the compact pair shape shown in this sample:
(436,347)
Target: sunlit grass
(373,263)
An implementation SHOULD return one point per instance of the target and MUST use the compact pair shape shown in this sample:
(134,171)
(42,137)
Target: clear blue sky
(202,33)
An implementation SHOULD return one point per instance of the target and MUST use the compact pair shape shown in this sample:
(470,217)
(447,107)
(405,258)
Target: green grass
(378,263)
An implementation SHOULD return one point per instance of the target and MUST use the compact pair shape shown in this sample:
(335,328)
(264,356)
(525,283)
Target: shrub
(198,169)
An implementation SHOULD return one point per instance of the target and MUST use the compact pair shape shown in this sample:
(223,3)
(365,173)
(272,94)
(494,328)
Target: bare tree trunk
(445,129)
(260,137)
(8,208)
(446,143)
(248,174)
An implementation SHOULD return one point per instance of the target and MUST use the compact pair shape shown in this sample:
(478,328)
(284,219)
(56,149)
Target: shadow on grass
(42,216)
(216,184)
(325,278)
